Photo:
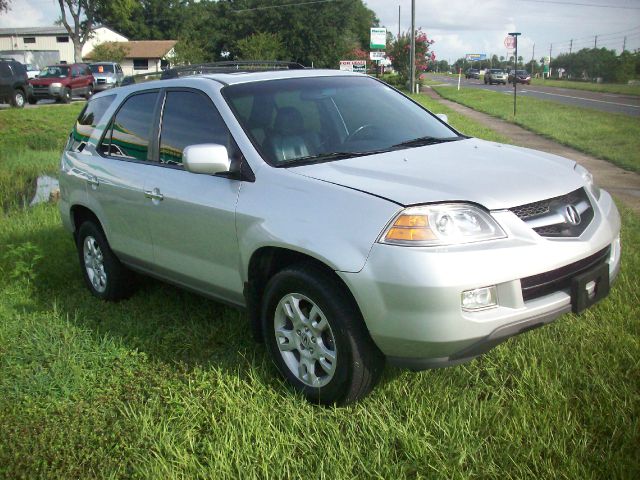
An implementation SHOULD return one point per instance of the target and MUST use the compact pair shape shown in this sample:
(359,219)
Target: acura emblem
(572,215)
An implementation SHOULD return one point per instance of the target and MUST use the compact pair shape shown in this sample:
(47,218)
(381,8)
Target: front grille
(545,283)
(548,217)
(102,80)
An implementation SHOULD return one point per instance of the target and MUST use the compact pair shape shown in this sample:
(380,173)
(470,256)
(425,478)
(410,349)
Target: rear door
(192,216)
(117,173)
(5,80)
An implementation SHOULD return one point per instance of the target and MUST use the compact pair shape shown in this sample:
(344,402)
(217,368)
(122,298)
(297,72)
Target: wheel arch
(80,214)
(265,262)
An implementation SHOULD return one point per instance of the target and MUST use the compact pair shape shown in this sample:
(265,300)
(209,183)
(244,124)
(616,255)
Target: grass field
(609,136)
(591,87)
(170,385)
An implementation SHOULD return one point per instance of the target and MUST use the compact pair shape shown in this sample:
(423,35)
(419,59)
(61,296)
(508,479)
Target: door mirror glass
(443,117)
(209,158)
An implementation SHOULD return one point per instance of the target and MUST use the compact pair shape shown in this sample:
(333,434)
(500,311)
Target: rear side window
(88,119)
(189,118)
(5,71)
(129,132)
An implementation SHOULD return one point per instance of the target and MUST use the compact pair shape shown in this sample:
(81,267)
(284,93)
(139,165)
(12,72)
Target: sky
(466,26)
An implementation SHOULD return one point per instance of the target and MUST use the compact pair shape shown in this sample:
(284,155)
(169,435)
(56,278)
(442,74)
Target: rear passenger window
(128,135)
(190,118)
(88,119)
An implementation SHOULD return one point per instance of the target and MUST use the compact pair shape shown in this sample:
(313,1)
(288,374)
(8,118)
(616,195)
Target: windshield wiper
(422,141)
(326,157)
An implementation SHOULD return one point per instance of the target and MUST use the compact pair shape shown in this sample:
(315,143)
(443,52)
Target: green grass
(621,88)
(613,137)
(171,385)
(31,141)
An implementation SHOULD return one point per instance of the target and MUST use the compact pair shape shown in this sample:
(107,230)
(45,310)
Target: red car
(62,82)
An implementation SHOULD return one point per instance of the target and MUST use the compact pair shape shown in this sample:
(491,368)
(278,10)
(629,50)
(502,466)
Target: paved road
(42,103)
(606,102)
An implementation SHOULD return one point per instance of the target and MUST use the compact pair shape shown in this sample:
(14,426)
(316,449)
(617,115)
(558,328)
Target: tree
(260,46)
(399,53)
(109,51)
(83,15)
(5,5)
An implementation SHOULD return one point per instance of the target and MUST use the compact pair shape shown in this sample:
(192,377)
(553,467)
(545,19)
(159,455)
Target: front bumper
(47,91)
(100,87)
(410,297)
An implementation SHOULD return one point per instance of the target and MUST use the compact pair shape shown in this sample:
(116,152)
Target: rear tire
(89,92)
(317,337)
(66,96)
(104,275)
(18,99)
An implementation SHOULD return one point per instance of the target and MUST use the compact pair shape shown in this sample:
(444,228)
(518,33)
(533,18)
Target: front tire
(89,92)
(18,99)
(317,337)
(66,96)
(32,100)
(104,275)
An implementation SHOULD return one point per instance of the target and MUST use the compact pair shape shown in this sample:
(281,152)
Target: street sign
(359,66)
(377,56)
(510,42)
(475,57)
(378,38)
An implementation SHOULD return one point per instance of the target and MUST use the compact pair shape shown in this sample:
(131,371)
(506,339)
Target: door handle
(93,181)
(154,194)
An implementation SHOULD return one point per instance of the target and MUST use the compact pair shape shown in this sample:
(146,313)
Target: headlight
(588,180)
(444,224)
(111,80)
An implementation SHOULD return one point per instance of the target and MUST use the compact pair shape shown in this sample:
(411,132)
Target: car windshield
(99,68)
(55,72)
(522,72)
(308,120)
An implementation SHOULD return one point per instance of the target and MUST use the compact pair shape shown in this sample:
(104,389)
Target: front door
(192,216)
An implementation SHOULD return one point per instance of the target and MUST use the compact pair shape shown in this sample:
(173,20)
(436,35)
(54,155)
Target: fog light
(479,298)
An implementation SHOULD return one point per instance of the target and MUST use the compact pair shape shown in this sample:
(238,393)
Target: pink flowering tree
(398,53)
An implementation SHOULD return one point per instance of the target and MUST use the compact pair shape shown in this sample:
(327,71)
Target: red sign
(510,42)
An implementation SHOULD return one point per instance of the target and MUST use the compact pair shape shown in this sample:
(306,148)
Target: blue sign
(475,57)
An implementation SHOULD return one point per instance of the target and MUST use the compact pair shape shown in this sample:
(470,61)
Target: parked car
(520,76)
(32,70)
(495,75)
(353,225)
(14,85)
(107,75)
(472,73)
(62,82)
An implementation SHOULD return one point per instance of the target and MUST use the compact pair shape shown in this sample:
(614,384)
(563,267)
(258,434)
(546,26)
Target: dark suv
(62,82)
(14,83)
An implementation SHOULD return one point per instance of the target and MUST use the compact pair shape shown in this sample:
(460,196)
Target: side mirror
(443,117)
(209,158)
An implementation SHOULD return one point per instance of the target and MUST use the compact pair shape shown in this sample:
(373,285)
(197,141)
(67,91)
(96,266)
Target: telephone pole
(398,21)
(624,44)
(595,42)
(570,46)
(533,55)
(412,67)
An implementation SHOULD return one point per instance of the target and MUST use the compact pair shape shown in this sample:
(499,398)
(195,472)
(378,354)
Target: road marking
(587,99)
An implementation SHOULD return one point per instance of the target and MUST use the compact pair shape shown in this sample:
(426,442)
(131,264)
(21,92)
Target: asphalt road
(42,103)
(606,102)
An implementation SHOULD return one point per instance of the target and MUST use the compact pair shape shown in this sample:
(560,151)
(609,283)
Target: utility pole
(533,55)
(515,70)
(412,64)
(595,42)
(624,44)
(570,46)
(550,50)
(398,21)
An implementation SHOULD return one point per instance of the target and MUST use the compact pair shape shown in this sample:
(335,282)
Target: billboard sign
(475,57)
(377,56)
(359,66)
(378,38)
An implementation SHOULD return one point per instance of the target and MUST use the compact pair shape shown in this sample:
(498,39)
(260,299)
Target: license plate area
(589,287)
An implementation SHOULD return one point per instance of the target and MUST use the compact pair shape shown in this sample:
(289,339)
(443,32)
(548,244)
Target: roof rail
(213,67)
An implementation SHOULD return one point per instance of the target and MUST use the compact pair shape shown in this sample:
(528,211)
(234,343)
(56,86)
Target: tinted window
(140,64)
(89,118)
(5,71)
(131,128)
(55,72)
(190,118)
(102,68)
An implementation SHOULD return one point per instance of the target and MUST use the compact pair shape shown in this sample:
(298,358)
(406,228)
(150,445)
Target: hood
(493,175)
(48,81)
(104,75)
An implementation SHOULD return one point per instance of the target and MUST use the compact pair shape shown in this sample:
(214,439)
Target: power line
(581,4)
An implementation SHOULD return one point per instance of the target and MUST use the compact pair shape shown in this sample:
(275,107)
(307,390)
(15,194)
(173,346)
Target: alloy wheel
(94,264)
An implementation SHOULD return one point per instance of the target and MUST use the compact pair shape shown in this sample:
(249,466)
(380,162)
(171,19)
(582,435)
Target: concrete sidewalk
(623,184)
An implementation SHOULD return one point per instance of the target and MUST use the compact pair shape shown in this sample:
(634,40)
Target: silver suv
(353,225)
(495,75)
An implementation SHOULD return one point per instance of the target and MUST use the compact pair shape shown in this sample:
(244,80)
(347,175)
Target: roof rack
(213,67)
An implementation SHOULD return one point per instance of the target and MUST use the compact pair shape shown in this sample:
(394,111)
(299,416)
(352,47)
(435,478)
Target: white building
(53,39)
(145,56)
